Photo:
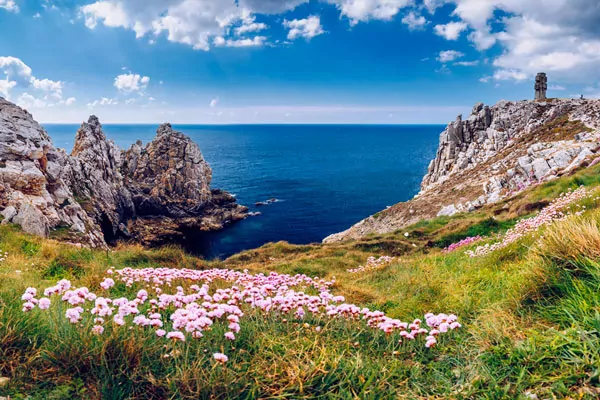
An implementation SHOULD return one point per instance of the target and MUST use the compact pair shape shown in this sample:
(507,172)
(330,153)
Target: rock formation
(169,181)
(99,194)
(495,153)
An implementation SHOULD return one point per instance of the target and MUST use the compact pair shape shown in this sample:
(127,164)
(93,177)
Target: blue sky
(290,61)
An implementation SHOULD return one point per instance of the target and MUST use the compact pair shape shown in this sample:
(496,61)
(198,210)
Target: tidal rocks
(100,193)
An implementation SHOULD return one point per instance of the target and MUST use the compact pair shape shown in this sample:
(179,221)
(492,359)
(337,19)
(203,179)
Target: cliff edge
(495,153)
(99,193)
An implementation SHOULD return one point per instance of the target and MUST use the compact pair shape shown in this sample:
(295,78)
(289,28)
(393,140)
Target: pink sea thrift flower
(176,336)
(220,357)
(44,303)
(107,283)
(230,335)
(161,332)
(98,330)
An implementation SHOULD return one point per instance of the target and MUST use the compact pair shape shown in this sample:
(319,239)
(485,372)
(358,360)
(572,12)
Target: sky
(290,61)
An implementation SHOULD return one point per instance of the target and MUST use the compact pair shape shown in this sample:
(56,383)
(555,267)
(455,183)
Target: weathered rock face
(153,193)
(33,191)
(170,185)
(495,153)
(94,174)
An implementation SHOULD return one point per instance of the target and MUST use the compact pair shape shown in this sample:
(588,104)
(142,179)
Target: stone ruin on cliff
(541,86)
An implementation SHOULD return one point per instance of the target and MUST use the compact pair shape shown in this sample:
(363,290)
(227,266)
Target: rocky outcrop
(98,193)
(94,174)
(495,153)
(169,181)
(33,190)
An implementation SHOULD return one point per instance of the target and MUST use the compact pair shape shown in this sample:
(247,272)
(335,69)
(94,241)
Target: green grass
(530,314)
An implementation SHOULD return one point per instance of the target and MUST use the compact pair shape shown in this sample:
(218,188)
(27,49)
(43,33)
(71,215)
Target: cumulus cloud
(28,101)
(128,83)
(365,10)
(214,102)
(70,101)
(560,37)
(17,74)
(220,41)
(449,55)
(414,21)
(306,28)
(9,5)
(451,30)
(182,22)
(5,87)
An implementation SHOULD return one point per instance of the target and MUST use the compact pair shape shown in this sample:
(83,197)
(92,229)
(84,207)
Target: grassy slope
(531,316)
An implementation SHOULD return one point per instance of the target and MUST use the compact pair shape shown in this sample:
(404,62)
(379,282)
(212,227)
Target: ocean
(325,177)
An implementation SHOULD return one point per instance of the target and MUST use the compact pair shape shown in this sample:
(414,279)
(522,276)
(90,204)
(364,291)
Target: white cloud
(449,55)
(17,74)
(9,5)
(104,101)
(14,68)
(128,83)
(365,10)
(306,28)
(5,87)
(249,25)
(557,87)
(70,101)
(37,15)
(47,85)
(414,21)
(198,23)
(560,37)
(220,41)
(510,74)
(467,63)
(28,101)
(451,30)
(129,101)
(214,102)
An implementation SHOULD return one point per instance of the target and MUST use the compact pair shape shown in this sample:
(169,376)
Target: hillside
(494,154)
(528,310)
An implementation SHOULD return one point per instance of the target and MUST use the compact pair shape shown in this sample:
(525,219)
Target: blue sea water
(328,177)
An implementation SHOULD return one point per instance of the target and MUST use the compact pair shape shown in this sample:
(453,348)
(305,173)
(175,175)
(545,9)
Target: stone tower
(541,86)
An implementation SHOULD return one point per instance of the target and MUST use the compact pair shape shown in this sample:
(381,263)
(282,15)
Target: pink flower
(161,332)
(220,357)
(230,335)
(98,330)
(107,283)
(176,336)
(44,303)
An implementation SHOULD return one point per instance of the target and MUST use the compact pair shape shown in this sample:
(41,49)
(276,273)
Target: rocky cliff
(495,153)
(99,193)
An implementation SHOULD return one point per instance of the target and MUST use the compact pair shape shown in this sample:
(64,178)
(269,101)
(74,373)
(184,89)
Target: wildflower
(44,303)
(221,358)
(98,330)
(161,332)
(176,336)
(107,283)
(230,335)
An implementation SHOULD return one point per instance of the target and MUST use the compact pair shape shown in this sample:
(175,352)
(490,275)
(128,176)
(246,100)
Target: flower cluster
(373,263)
(462,243)
(553,212)
(178,313)
(3,256)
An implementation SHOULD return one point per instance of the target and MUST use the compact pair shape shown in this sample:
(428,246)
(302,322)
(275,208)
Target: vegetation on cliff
(529,315)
